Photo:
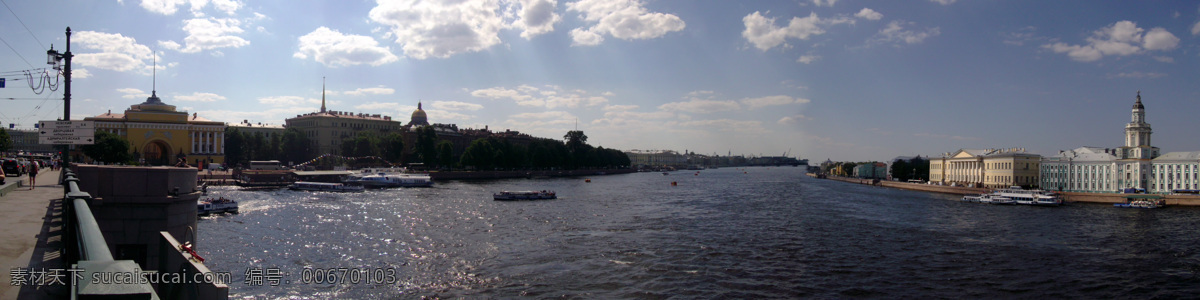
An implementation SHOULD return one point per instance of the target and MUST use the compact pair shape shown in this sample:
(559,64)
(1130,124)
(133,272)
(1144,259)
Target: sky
(816,79)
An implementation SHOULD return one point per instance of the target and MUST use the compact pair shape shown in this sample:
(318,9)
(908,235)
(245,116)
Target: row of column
(208,142)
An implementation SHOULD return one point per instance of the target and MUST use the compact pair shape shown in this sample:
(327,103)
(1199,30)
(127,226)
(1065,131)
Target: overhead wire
(10,47)
(23,24)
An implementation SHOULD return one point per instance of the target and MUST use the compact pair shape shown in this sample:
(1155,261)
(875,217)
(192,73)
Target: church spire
(322,93)
(1138,104)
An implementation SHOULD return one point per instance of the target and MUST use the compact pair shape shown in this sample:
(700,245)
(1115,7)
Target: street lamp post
(52,58)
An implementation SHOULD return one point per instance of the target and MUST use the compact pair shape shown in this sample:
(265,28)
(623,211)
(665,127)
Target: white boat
(385,180)
(324,187)
(989,199)
(1029,197)
(524,195)
(219,205)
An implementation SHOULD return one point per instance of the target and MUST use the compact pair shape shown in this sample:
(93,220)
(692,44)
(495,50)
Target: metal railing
(87,252)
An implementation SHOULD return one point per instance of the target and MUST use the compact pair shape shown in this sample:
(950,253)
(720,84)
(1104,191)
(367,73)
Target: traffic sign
(66,132)
(67,124)
(66,140)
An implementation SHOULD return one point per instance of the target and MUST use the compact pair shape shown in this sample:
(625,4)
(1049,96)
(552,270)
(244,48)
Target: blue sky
(847,80)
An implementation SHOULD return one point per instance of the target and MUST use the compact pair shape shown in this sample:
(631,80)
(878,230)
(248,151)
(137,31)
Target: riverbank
(476,175)
(1180,200)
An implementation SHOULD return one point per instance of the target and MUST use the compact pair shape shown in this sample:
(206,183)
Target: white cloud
(869,14)
(378,106)
(945,136)
(117,52)
(334,49)
(791,120)
(169,7)
(380,90)
(701,106)
(828,3)
(1139,75)
(526,95)
(227,6)
(165,7)
(437,114)
(622,19)
(1160,39)
(760,102)
(132,93)
(808,59)
(943,2)
(536,17)
(762,32)
(894,32)
(723,125)
(287,100)
(1196,28)
(634,115)
(619,107)
(455,105)
(80,73)
(440,28)
(541,119)
(1121,39)
(200,97)
(270,116)
(208,34)
(1166,59)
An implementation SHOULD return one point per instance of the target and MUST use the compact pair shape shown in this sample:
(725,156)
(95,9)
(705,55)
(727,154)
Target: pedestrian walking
(33,175)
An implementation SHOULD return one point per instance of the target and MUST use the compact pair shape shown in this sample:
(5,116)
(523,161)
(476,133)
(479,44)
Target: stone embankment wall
(461,175)
(958,190)
(1181,200)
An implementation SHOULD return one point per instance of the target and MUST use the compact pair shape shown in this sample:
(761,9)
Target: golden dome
(418,116)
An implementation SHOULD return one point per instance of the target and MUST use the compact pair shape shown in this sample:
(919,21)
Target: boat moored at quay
(1029,197)
(989,199)
(324,187)
(385,180)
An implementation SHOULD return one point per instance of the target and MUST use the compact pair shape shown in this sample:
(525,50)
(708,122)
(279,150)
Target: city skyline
(845,80)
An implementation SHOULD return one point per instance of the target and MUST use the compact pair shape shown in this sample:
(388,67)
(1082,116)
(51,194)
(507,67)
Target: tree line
(489,153)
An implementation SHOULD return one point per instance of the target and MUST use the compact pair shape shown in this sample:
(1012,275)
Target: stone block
(156,182)
(132,182)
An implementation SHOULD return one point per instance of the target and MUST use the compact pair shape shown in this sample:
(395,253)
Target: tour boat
(384,180)
(524,195)
(324,187)
(1141,203)
(219,205)
(1029,197)
(989,199)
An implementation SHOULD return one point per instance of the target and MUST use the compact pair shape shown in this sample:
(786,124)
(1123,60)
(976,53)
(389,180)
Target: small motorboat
(219,205)
(524,195)
(1141,203)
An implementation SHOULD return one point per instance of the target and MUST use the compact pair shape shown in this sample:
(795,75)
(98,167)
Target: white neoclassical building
(1137,165)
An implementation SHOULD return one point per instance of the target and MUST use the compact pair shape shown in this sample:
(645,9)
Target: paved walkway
(32,222)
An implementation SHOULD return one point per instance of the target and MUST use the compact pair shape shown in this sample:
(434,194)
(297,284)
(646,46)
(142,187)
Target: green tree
(294,146)
(235,146)
(109,148)
(6,142)
(920,168)
(578,147)
(426,145)
(901,170)
(262,147)
(445,151)
(480,154)
(393,147)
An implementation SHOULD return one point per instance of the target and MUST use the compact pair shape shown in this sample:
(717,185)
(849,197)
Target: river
(764,232)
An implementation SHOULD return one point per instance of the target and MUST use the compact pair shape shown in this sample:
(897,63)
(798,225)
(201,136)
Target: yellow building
(992,168)
(159,135)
